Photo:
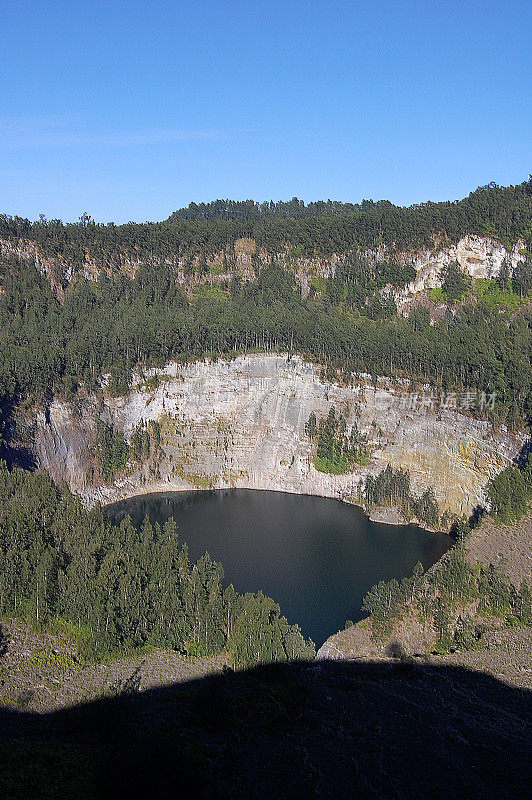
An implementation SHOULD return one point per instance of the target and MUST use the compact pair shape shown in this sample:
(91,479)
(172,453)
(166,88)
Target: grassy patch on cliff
(335,451)
(334,466)
(489,293)
(339,464)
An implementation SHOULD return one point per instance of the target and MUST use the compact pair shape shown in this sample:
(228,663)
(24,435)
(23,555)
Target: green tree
(507,494)
(454,282)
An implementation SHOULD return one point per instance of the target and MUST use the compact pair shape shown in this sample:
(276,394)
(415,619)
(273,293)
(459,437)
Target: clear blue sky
(129,110)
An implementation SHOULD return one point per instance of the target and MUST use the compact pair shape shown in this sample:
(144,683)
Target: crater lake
(315,556)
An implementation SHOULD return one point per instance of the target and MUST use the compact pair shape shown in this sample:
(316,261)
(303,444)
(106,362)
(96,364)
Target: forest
(52,345)
(320,228)
(121,588)
(392,487)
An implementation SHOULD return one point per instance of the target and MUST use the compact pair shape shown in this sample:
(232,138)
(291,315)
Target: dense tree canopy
(509,492)
(51,341)
(115,325)
(122,587)
(320,228)
(392,487)
(137,309)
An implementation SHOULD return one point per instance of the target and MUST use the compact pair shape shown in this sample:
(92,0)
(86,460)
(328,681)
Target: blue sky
(129,110)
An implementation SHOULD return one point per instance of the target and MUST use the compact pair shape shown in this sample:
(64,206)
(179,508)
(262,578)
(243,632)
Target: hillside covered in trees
(61,343)
(116,590)
(320,228)
(56,344)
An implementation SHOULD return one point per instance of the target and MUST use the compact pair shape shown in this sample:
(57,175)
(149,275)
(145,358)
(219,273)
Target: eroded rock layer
(241,423)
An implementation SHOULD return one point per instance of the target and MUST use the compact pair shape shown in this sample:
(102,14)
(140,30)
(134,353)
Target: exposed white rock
(478,256)
(241,423)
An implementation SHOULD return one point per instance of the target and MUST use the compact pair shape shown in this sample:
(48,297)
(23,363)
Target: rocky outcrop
(388,515)
(241,423)
(63,437)
(478,256)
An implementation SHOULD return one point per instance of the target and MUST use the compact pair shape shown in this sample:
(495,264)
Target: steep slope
(241,423)
(503,651)
(477,256)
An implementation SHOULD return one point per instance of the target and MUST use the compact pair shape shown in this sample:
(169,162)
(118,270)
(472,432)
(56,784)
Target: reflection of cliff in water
(172,502)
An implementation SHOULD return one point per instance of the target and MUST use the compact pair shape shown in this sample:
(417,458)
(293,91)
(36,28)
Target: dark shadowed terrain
(343,730)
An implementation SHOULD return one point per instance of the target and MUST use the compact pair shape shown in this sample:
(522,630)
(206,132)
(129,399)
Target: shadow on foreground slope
(364,730)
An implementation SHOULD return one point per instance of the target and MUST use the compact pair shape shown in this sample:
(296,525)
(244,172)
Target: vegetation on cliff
(58,341)
(335,450)
(320,228)
(111,452)
(455,283)
(113,326)
(509,492)
(459,601)
(392,487)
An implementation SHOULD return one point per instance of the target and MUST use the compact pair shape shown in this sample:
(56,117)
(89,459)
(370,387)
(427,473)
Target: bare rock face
(62,442)
(477,256)
(241,423)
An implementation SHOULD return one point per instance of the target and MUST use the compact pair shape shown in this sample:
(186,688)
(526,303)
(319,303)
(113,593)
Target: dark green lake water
(315,556)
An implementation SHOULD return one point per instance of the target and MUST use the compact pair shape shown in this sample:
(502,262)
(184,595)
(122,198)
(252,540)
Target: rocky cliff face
(241,423)
(479,256)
